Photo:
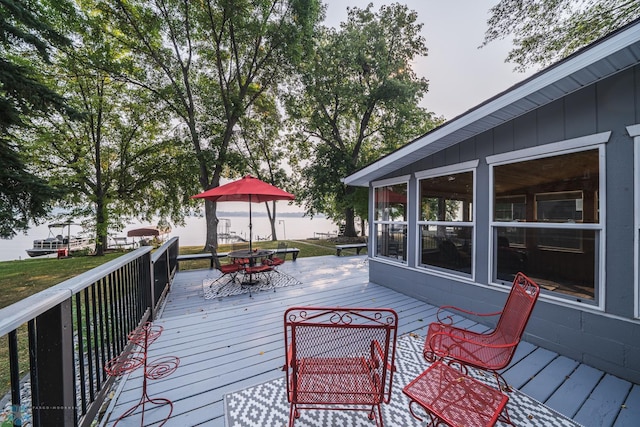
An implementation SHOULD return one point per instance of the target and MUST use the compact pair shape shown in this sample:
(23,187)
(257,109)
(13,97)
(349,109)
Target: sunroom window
(546,222)
(390,221)
(446,222)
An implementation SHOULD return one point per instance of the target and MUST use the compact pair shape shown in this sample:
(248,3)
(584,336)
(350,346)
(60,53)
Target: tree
(546,31)
(208,61)
(27,37)
(118,161)
(261,146)
(356,100)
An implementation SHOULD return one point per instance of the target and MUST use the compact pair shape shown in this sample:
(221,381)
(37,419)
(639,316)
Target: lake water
(289,226)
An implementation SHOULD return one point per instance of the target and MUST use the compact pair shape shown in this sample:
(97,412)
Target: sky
(460,75)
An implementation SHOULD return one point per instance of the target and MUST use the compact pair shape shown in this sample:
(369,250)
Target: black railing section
(71,330)
(165,265)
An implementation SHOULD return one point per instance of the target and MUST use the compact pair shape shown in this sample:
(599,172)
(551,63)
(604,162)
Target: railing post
(14,373)
(168,257)
(54,401)
(152,284)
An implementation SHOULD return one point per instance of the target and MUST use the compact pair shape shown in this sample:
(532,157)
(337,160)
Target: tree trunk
(101,227)
(363,231)
(212,225)
(350,223)
(349,215)
(272,219)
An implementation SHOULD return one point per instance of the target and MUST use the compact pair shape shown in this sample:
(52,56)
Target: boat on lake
(150,235)
(59,241)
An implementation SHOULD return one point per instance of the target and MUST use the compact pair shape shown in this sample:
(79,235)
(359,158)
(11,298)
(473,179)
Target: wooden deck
(236,342)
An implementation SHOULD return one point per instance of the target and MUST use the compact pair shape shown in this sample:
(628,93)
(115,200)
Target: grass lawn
(308,248)
(23,278)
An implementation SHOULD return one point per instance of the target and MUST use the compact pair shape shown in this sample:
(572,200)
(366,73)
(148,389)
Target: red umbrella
(247,189)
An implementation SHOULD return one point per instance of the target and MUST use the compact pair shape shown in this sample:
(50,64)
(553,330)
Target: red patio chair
(339,358)
(275,260)
(489,351)
(241,247)
(258,271)
(230,270)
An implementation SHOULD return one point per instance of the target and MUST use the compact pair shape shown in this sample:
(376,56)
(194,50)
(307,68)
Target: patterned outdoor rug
(220,287)
(266,404)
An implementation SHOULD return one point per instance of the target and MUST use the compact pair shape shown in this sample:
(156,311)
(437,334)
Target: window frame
(464,167)
(401,180)
(585,143)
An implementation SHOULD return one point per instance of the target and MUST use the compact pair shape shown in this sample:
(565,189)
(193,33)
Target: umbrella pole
(250,225)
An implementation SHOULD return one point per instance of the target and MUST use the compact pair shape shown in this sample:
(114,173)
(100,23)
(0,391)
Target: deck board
(604,403)
(522,372)
(542,386)
(630,412)
(573,392)
(232,343)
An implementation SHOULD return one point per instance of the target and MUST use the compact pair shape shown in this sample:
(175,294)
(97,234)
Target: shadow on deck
(232,343)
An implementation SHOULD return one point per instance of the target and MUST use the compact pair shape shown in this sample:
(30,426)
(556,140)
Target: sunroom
(538,179)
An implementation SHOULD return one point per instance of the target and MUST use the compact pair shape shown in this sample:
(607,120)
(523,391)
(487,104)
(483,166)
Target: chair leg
(224,286)
(505,418)
(502,383)
(378,418)
(457,365)
(267,278)
(293,414)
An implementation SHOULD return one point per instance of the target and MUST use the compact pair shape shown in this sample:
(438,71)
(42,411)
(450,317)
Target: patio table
(252,256)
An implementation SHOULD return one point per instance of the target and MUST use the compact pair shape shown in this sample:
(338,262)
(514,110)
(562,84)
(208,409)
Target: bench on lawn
(207,255)
(357,246)
(293,251)
(197,257)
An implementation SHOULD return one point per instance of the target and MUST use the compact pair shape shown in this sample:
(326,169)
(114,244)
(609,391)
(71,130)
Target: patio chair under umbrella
(247,189)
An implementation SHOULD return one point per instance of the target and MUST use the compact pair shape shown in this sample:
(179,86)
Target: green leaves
(545,31)
(28,35)
(355,100)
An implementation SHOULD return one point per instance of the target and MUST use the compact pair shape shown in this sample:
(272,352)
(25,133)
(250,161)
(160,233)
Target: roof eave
(495,110)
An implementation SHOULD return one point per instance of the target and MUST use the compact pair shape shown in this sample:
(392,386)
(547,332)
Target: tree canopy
(174,94)
(263,149)
(28,34)
(545,31)
(117,162)
(356,99)
(208,62)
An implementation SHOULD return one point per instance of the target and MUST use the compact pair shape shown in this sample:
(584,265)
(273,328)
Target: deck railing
(71,330)
(165,265)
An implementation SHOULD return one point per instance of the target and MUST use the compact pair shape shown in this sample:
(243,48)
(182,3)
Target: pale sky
(460,75)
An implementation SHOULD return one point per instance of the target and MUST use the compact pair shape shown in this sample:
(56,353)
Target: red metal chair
(227,270)
(241,247)
(275,260)
(258,271)
(489,351)
(339,358)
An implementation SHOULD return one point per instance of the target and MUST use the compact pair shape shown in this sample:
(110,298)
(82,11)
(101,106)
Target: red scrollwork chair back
(339,358)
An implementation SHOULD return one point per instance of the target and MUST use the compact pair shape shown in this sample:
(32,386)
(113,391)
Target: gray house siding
(618,109)
(483,149)
(608,340)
